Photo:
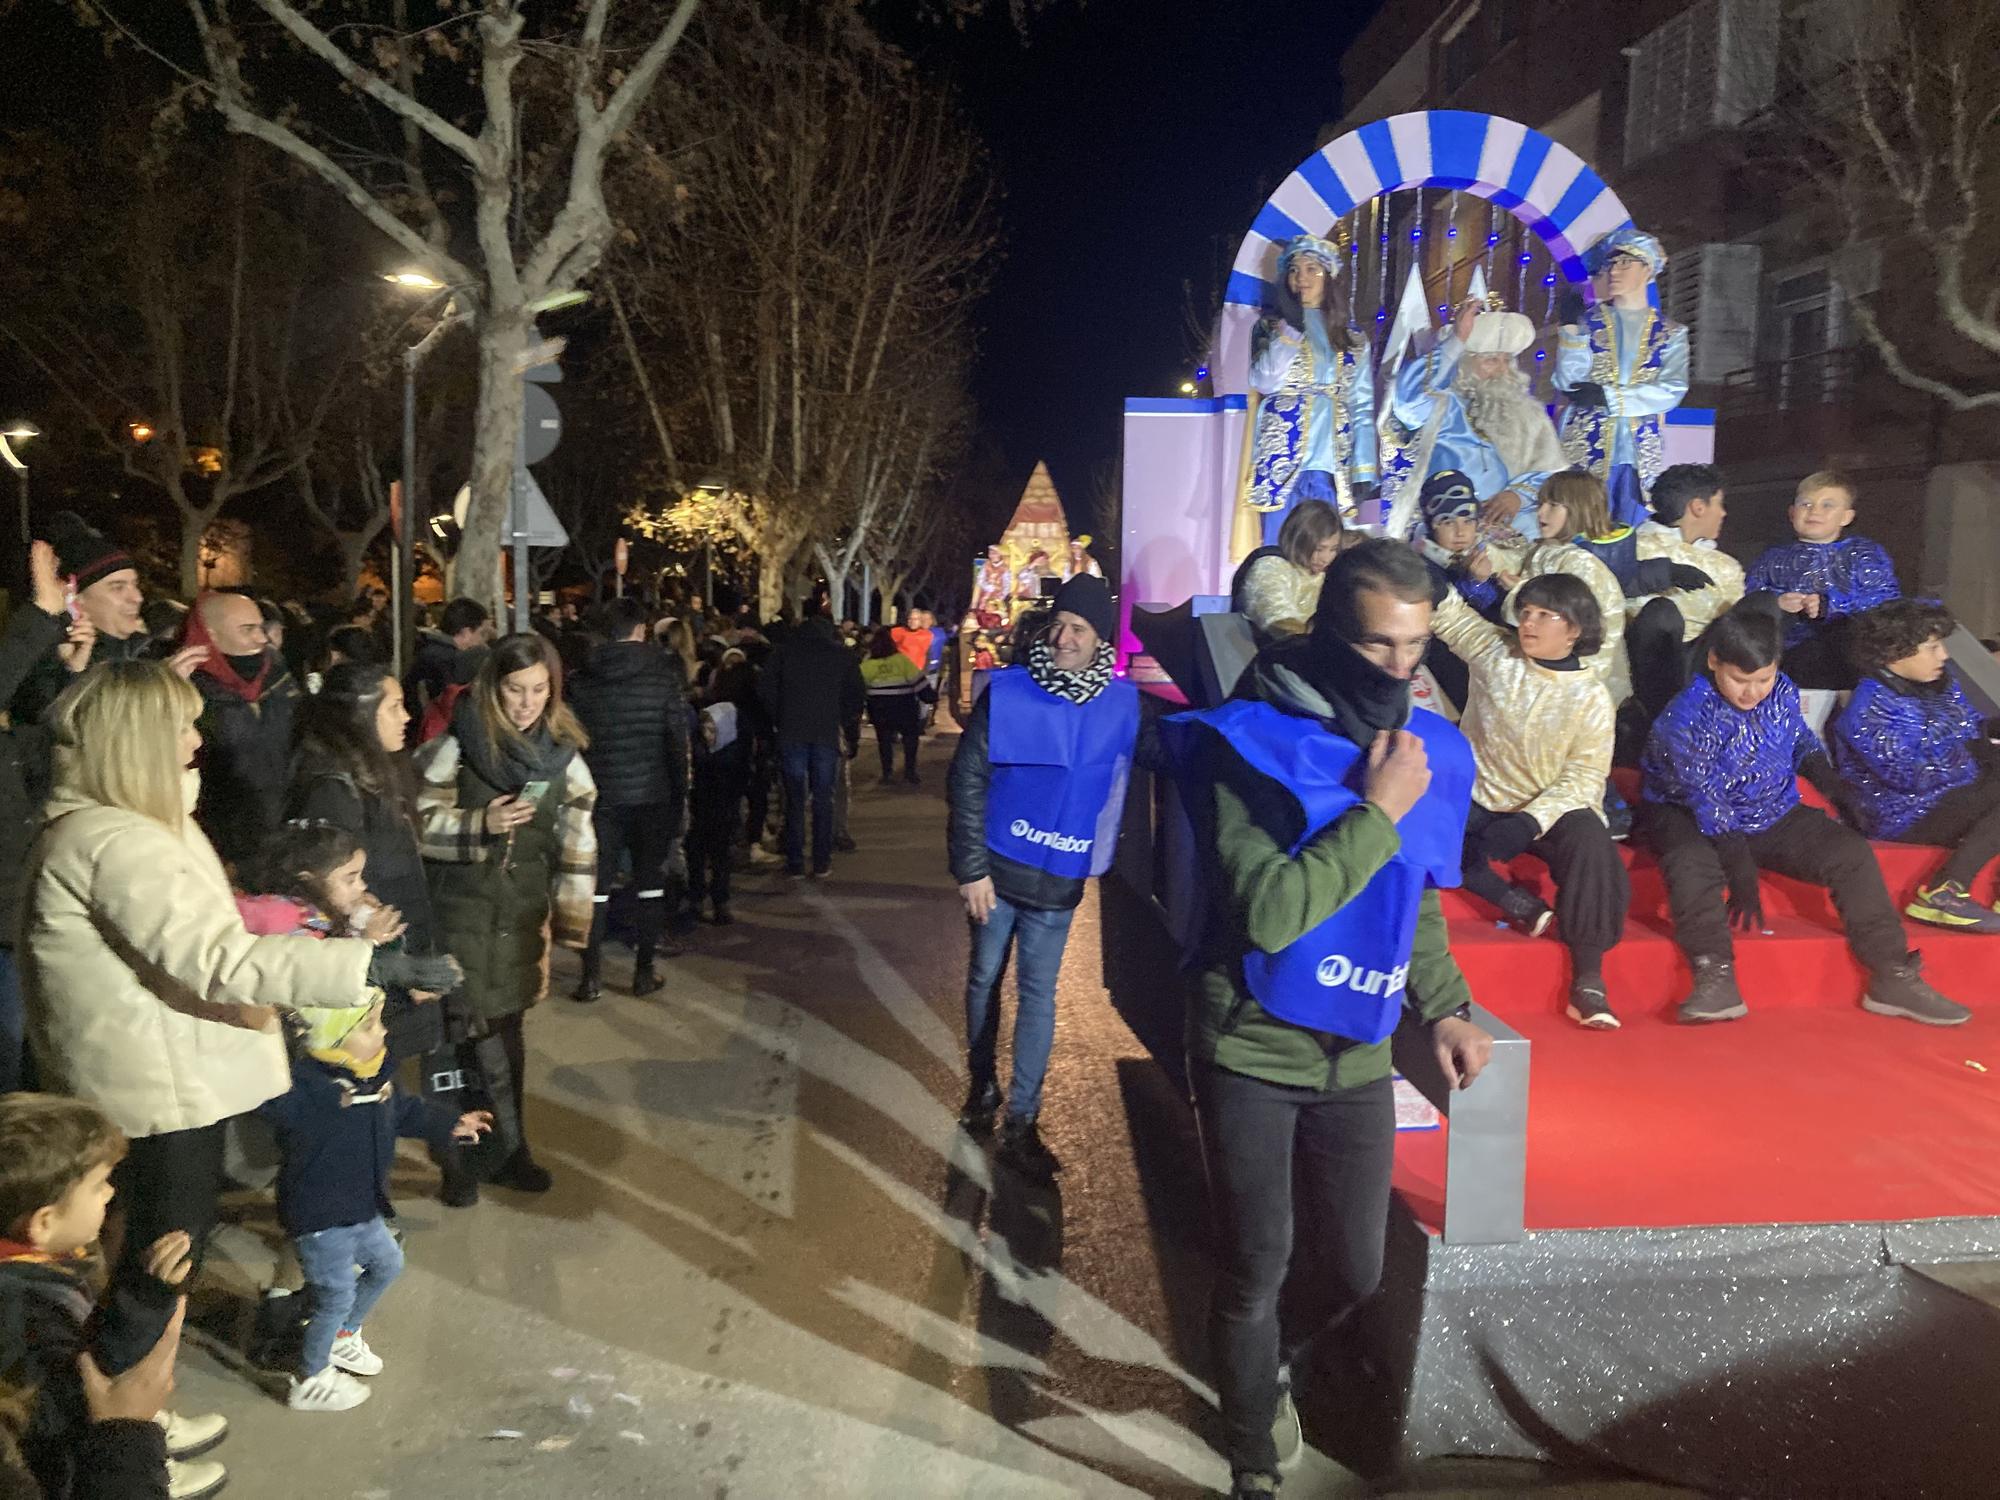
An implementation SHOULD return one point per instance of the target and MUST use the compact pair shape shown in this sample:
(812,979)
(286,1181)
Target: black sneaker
(1714,996)
(1588,1007)
(646,981)
(1023,1149)
(589,989)
(1525,912)
(1903,993)
(1252,1485)
(982,1108)
(845,844)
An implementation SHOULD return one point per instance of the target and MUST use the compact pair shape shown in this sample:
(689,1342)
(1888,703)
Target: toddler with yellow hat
(337,1130)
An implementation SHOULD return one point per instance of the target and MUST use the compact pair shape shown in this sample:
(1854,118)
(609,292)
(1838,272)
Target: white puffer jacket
(137,973)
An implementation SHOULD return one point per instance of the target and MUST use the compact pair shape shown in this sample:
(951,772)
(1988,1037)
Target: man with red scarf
(248,699)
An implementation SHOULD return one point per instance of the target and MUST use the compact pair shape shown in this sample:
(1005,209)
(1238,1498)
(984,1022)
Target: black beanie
(1089,598)
(84,552)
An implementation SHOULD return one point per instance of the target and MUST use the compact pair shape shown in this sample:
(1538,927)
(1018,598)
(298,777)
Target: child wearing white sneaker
(337,1130)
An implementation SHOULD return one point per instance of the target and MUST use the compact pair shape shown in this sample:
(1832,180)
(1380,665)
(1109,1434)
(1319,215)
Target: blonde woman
(144,994)
(504,806)
(676,637)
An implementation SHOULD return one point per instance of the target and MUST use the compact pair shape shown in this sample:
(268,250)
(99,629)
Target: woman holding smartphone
(503,806)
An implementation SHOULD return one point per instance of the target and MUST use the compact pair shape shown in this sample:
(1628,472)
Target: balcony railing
(1824,379)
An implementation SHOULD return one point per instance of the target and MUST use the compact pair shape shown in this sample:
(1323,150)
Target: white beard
(1503,412)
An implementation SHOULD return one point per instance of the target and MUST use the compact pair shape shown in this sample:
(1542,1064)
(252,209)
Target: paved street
(771,1265)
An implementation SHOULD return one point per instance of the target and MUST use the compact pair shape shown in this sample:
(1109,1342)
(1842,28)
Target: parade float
(1651,1249)
(1031,558)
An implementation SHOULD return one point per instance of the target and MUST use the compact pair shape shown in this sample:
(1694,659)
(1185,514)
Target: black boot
(646,979)
(591,986)
(460,1188)
(524,1174)
(982,1107)
(1023,1149)
(1715,996)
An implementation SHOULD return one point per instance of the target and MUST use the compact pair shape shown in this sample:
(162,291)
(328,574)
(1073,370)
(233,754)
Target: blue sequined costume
(1853,574)
(1901,746)
(1736,772)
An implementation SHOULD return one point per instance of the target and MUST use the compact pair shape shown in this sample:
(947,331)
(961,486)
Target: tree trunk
(195,522)
(495,441)
(353,549)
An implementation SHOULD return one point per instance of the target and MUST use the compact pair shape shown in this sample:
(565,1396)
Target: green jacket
(1261,897)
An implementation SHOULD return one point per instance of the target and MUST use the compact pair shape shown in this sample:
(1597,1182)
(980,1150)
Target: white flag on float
(1413,316)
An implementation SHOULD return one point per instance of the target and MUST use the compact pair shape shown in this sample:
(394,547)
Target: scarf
(244,676)
(1910,688)
(1079,686)
(517,760)
(1362,699)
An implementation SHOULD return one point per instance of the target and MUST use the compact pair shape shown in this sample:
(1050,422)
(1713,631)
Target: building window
(1713,290)
(1475,39)
(1711,67)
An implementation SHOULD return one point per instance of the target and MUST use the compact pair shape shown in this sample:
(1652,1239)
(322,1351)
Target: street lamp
(403,558)
(19,432)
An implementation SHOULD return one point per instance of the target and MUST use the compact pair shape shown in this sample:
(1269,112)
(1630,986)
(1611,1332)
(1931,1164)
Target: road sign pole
(517,520)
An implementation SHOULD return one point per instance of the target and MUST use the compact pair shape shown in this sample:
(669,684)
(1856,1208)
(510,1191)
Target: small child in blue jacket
(337,1131)
(1920,758)
(1721,801)
(1821,580)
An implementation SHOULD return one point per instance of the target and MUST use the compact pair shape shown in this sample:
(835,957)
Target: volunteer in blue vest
(1328,809)
(1037,790)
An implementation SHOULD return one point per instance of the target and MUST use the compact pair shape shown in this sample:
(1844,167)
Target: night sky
(1135,140)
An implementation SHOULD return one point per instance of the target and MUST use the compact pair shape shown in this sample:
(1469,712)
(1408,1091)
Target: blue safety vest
(1346,976)
(1057,791)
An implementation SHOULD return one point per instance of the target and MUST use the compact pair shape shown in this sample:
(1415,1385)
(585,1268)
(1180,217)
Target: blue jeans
(808,768)
(338,1298)
(11,1044)
(1039,937)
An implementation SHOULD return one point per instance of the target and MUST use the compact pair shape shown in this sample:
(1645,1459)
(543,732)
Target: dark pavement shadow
(1142,974)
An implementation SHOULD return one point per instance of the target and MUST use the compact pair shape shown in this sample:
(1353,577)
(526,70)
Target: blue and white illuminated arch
(1548,187)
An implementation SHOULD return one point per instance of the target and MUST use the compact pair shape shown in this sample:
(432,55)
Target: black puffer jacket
(630,700)
(29,701)
(436,666)
(811,686)
(24,753)
(246,751)
(395,875)
(395,868)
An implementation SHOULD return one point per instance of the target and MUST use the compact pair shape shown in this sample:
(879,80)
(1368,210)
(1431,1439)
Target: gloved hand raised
(392,969)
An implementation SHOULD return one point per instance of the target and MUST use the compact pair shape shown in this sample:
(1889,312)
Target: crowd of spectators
(270,904)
